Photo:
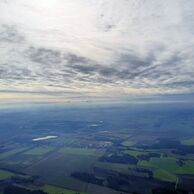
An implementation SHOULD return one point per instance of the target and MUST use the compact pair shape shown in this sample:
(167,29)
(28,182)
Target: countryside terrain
(97,149)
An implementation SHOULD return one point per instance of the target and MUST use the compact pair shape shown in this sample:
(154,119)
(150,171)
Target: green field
(121,168)
(5,174)
(50,189)
(58,190)
(56,168)
(80,151)
(39,150)
(128,143)
(134,153)
(117,167)
(164,175)
(11,153)
(188,142)
(169,164)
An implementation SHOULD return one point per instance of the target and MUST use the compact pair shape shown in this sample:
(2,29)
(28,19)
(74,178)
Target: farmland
(5,174)
(112,150)
(188,141)
(80,151)
(39,151)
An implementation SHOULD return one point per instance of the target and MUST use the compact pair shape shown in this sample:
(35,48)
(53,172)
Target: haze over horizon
(78,50)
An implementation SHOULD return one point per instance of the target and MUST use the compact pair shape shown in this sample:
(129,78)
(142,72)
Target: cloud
(10,34)
(97,48)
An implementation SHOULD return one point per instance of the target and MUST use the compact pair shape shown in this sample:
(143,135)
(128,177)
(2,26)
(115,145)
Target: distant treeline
(119,158)
(86,177)
(17,190)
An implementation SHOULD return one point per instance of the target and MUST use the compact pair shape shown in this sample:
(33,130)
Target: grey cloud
(44,56)
(74,59)
(10,34)
(127,68)
(133,70)
(85,68)
(8,71)
(55,68)
(134,61)
(187,84)
(66,68)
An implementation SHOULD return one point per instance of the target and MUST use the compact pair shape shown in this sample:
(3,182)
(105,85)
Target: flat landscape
(97,150)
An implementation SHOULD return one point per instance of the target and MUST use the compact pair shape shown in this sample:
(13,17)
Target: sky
(88,50)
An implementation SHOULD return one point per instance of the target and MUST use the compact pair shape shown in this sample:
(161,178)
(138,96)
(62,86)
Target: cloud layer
(97,48)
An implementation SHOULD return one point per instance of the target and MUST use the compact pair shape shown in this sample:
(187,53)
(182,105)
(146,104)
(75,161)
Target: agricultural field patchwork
(81,151)
(39,151)
(111,154)
(6,154)
(5,174)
